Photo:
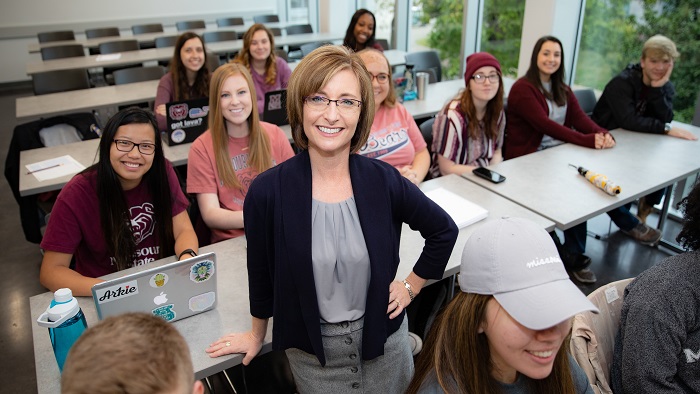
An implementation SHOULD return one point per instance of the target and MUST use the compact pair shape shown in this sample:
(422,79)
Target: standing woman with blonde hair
(323,231)
(269,71)
(237,147)
(188,77)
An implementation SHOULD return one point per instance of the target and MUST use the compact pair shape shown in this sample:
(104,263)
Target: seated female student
(395,137)
(225,159)
(468,131)
(360,33)
(269,72)
(127,209)
(508,329)
(188,77)
(542,113)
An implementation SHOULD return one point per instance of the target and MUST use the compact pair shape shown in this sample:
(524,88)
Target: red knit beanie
(477,60)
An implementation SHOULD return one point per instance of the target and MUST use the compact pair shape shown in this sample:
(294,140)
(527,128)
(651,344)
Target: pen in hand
(45,168)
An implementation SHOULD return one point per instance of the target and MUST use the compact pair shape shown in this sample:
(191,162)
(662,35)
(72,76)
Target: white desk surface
(85,152)
(149,37)
(233,311)
(639,163)
(154,54)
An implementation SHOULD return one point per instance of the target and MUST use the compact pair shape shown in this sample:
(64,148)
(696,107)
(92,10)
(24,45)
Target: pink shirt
(202,176)
(74,226)
(395,137)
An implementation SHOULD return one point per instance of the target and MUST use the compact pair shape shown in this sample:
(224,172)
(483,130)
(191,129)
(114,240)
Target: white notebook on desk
(462,211)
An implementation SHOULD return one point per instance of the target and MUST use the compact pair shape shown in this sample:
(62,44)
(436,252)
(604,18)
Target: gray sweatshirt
(657,349)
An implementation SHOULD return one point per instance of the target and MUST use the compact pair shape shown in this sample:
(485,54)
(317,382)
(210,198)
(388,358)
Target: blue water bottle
(65,322)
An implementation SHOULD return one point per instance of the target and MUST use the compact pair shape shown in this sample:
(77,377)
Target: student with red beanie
(468,131)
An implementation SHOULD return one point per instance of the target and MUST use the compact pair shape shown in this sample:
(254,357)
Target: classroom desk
(233,311)
(156,54)
(85,152)
(640,163)
(149,38)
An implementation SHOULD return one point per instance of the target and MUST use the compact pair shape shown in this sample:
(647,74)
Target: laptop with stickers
(186,120)
(275,107)
(172,291)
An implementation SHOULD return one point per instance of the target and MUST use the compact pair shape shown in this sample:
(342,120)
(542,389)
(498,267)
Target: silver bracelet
(408,287)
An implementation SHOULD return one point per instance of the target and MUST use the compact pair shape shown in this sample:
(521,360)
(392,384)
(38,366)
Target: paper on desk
(111,56)
(462,211)
(55,168)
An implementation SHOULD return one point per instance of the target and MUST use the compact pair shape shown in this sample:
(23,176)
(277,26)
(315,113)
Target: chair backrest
(189,25)
(102,32)
(119,46)
(383,42)
(308,48)
(299,29)
(426,128)
(149,28)
(50,36)
(276,31)
(266,18)
(138,74)
(62,51)
(281,53)
(216,36)
(593,335)
(213,61)
(586,99)
(432,78)
(60,81)
(426,60)
(165,41)
(235,21)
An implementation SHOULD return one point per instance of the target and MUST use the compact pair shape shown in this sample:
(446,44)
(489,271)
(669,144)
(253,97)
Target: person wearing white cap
(508,329)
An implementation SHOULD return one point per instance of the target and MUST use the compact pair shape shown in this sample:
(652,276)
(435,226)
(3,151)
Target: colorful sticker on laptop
(158,280)
(202,271)
(178,136)
(202,302)
(165,312)
(116,292)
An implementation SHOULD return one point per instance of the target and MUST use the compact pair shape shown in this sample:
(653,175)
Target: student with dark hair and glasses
(468,131)
(126,210)
(395,137)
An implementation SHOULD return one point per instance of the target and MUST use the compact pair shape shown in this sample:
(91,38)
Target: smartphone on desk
(489,175)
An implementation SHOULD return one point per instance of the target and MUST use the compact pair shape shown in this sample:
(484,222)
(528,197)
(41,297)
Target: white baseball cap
(517,262)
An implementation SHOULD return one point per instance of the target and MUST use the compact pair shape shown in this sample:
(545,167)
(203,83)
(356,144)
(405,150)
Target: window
(502,28)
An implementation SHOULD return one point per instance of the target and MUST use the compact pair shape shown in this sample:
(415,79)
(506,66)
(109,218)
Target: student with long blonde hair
(237,147)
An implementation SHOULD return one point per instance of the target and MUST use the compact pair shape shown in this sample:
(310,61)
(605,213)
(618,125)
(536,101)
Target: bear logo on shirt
(142,223)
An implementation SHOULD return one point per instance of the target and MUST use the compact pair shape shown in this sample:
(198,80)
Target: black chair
(295,51)
(281,53)
(217,36)
(102,32)
(308,48)
(138,74)
(62,51)
(266,18)
(235,21)
(586,99)
(299,29)
(383,42)
(165,41)
(51,36)
(276,31)
(426,128)
(190,25)
(118,46)
(60,81)
(148,28)
(424,61)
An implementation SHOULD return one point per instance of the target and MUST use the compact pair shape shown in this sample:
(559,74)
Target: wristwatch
(667,128)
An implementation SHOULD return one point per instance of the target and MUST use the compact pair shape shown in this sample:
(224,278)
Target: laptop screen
(187,120)
(275,107)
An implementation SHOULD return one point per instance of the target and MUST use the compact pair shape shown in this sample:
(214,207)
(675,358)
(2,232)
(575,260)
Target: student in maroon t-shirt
(125,210)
